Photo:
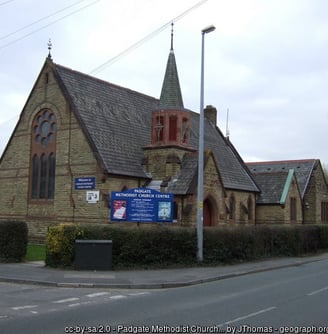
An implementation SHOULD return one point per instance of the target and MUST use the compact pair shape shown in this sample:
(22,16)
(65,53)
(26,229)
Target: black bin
(93,255)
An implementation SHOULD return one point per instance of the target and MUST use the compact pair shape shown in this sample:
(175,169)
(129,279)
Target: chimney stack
(210,113)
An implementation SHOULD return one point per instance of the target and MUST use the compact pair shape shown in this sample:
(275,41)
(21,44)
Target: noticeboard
(83,183)
(141,205)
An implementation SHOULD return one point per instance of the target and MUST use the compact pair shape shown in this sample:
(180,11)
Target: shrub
(285,241)
(159,246)
(60,245)
(227,244)
(239,243)
(323,236)
(133,246)
(13,241)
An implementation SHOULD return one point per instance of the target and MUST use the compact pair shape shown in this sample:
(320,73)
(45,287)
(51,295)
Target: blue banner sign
(82,183)
(141,205)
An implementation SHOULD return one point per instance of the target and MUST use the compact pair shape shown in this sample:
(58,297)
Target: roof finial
(172,24)
(49,48)
(227,125)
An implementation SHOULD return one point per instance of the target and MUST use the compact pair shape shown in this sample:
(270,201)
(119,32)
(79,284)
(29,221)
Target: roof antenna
(49,48)
(172,24)
(227,125)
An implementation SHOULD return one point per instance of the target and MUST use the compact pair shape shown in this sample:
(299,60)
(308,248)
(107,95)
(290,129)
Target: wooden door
(207,214)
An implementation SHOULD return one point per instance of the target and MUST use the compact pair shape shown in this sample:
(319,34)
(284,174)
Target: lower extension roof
(303,170)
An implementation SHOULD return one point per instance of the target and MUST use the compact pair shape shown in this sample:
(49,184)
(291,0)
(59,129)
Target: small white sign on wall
(92,196)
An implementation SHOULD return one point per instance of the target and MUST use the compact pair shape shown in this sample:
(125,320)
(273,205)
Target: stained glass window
(43,158)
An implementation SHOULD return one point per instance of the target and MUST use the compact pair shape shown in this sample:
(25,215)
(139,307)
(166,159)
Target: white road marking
(16,308)
(67,300)
(78,304)
(74,305)
(97,294)
(117,297)
(138,293)
(317,291)
(250,315)
(76,299)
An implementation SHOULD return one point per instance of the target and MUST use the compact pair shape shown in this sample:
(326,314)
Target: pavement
(37,273)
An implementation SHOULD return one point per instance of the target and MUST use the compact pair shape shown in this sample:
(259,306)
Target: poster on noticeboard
(141,205)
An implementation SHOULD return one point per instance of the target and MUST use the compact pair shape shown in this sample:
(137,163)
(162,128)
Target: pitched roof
(303,170)
(274,186)
(234,172)
(117,122)
(185,181)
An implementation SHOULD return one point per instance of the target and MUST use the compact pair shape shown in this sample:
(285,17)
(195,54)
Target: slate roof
(186,180)
(303,170)
(117,122)
(233,171)
(171,96)
(271,185)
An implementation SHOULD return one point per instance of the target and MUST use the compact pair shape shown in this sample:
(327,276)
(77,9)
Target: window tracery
(43,155)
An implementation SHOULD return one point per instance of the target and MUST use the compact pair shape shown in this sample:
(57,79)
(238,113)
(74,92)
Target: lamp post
(200,193)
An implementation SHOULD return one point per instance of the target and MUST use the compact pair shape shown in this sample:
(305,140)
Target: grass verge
(35,252)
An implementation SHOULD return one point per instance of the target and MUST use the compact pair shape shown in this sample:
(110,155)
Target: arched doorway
(208,213)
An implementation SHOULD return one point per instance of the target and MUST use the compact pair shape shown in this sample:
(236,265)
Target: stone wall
(317,192)
(74,158)
(280,213)
(244,212)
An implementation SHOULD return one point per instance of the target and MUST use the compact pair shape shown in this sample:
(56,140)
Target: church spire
(171,96)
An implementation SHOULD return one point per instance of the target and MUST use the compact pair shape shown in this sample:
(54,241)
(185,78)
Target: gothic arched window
(232,207)
(173,125)
(43,155)
(250,209)
(185,130)
(159,128)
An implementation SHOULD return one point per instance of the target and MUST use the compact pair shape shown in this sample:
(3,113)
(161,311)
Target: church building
(76,127)
(77,132)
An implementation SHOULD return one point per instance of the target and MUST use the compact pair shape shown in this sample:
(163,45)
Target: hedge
(13,241)
(161,246)
(148,246)
(240,243)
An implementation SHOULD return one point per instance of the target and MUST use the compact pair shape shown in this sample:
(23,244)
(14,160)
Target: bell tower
(170,126)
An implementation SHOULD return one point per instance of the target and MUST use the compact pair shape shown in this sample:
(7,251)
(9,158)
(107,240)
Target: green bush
(146,246)
(60,245)
(160,246)
(228,244)
(323,236)
(13,241)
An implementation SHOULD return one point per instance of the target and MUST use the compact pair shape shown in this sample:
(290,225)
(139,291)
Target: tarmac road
(275,300)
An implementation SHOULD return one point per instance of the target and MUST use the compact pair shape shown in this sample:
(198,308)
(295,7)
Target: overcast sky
(267,61)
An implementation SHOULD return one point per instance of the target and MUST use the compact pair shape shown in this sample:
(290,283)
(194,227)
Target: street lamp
(200,193)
